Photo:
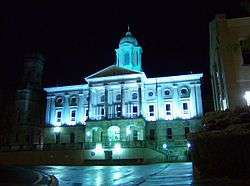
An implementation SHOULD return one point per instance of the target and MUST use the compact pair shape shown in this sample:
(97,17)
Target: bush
(222,119)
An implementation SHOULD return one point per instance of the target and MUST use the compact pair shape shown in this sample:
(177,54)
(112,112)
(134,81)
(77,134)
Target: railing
(111,144)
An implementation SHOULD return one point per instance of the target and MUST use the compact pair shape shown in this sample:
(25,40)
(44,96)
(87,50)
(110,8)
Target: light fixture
(117,148)
(57,129)
(98,148)
(88,133)
(165,146)
(247,97)
(188,145)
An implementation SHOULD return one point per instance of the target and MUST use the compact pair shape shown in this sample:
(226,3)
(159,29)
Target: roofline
(187,77)
(98,72)
(66,88)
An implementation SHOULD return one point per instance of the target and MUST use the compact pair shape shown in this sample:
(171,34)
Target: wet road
(177,174)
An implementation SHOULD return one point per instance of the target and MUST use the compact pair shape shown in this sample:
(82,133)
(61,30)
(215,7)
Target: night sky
(78,39)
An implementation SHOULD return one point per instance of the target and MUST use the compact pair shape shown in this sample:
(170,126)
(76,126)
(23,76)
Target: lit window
(168,109)
(150,94)
(118,110)
(151,110)
(247,97)
(134,96)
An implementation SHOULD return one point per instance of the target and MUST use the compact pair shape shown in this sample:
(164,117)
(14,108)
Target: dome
(128,38)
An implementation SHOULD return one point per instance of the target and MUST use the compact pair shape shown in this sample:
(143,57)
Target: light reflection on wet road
(154,174)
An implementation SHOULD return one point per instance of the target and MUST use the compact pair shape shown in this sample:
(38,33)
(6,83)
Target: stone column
(140,99)
(122,100)
(106,112)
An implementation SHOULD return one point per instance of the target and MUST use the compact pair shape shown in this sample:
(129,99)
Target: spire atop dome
(128,38)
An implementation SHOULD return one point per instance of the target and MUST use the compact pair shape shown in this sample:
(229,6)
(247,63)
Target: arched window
(184,92)
(73,101)
(114,133)
(59,102)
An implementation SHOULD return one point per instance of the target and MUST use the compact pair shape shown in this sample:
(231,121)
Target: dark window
(87,112)
(59,114)
(72,137)
(150,94)
(169,133)
(27,138)
(17,138)
(151,108)
(135,109)
(102,111)
(152,134)
(102,98)
(167,107)
(134,96)
(135,135)
(73,101)
(118,108)
(187,130)
(167,92)
(126,56)
(185,106)
(118,97)
(58,136)
(183,91)
(73,113)
(245,49)
(59,102)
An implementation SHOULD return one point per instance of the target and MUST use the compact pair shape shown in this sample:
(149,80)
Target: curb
(53,181)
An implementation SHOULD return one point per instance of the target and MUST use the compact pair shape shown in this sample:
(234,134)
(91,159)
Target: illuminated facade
(230,61)
(120,108)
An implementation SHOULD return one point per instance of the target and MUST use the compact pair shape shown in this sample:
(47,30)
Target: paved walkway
(176,174)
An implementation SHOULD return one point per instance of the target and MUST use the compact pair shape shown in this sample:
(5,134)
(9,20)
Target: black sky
(79,38)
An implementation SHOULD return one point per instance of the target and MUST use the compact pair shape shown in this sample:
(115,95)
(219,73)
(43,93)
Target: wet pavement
(175,174)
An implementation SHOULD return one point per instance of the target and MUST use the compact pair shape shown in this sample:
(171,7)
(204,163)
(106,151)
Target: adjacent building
(120,113)
(230,61)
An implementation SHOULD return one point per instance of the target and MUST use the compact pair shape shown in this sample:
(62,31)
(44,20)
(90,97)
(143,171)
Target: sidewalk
(10,175)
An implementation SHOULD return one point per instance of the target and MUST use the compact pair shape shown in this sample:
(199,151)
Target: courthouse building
(230,61)
(120,113)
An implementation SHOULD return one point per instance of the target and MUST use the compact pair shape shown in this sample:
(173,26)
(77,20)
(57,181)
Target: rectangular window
(169,133)
(185,108)
(119,110)
(58,116)
(58,138)
(151,110)
(102,112)
(87,112)
(73,115)
(187,130)
(168,109)
(135,110)
(152,134)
